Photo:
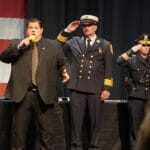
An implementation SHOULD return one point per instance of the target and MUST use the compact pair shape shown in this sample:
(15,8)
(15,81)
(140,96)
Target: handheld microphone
(32,38)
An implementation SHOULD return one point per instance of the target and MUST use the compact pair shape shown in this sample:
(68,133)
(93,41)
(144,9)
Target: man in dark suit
(91,78)
(137,61)
(32,85)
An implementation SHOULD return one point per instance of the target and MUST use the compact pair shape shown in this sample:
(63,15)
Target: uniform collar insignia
(100,50)
(98,41)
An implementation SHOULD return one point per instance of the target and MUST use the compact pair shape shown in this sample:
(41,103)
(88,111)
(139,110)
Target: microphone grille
(32,38)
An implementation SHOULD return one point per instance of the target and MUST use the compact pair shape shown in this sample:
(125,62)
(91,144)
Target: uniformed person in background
(137,61)
(91,79)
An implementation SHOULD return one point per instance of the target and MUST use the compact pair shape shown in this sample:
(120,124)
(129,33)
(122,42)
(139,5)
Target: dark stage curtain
(121,22)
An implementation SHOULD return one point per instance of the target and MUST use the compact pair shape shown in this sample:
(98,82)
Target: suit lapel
(41,51)
(82,45)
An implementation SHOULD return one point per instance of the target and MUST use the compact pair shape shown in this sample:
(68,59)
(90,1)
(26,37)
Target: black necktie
(88,43)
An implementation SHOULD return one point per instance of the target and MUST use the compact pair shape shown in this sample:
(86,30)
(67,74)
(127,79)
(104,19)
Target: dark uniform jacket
(91,68)
(139,71)
(51,58)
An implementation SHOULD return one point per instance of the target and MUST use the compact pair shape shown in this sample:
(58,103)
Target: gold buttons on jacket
(80,76)
(100,50)
(90,67)
(87,73)
(88,77)
(81,66)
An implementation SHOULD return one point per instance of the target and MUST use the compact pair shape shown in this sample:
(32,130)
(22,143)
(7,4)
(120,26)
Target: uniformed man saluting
(91,79)
(137,61)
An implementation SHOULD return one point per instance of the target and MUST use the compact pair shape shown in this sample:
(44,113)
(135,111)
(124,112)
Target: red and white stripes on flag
(12,16)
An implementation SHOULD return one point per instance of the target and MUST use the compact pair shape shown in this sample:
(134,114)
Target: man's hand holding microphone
(26,42)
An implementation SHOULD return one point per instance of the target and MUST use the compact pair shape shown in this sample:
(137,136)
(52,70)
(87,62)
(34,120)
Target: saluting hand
(73,26)
(136,48)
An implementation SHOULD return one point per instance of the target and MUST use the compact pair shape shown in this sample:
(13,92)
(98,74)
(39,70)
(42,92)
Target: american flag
(12,18)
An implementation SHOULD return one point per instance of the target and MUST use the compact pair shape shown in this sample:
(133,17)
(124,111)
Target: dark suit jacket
(51,58)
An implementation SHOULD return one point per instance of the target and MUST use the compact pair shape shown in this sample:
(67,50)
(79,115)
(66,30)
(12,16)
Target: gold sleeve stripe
(108,82)
(111,49)
(125,56)
(61,38)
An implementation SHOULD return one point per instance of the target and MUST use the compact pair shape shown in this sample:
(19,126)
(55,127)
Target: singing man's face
(34,28)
